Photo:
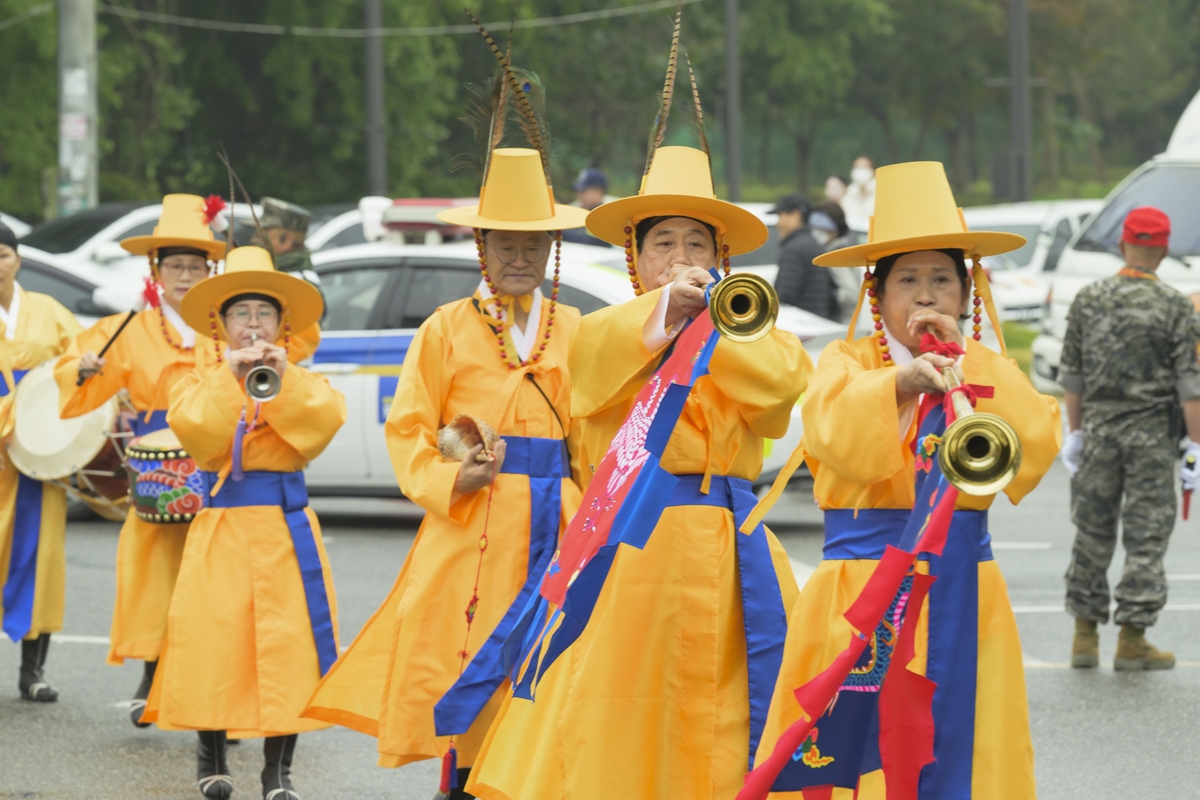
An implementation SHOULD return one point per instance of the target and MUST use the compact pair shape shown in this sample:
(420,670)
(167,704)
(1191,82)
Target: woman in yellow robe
(400,679)
(151,354)
(660,694)
(861,419)
(253,621)
(33,516)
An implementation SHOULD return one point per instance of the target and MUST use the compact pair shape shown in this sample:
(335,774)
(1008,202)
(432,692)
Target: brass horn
(262,383)
(743,307)
(980,452)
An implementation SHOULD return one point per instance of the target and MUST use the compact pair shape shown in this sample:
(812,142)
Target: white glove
(1072,451)
(1190,475)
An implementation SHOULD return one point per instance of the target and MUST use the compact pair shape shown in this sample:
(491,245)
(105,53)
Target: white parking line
(1020,545)
(70,638)
(1060,609)
(1191,577)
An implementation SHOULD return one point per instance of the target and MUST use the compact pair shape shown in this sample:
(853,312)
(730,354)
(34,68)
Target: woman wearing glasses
(146,360)
(253,621)
(493,517)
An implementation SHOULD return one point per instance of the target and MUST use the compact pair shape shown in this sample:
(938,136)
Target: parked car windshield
(66,234)
(1019,257)
(1173,188)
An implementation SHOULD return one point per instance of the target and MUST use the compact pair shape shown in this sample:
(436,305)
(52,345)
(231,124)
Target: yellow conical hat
(249,269)
(679,183)
(915,210)
(180,225)
(516,197)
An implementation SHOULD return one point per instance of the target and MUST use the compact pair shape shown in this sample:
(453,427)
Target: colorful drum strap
(22,565)
(287,490)
(763,616)
(546,463)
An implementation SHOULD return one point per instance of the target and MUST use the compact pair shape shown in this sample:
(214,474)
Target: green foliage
(28,114)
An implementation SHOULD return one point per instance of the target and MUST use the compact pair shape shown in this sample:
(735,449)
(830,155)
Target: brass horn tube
(262,382)
(743,307)
(980,453)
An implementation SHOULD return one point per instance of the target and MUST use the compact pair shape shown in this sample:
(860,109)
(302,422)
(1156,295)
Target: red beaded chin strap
(499,326)
(212,324)
(631,259)
(885,349)
(977,317)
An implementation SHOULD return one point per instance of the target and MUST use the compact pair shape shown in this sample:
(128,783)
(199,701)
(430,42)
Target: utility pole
(1021,113)
(78,107)
(377,181)
(733,102)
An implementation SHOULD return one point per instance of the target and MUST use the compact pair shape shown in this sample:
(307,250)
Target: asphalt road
(1097,734)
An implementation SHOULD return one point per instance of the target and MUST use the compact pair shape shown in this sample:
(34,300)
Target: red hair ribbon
(213,205)
(150,293)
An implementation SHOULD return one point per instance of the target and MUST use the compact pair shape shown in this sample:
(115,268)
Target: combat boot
(1134,652)
(1085,650)
(138,705)
(33,683)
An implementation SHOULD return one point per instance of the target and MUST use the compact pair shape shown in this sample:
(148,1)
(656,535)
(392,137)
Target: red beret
(1148,227)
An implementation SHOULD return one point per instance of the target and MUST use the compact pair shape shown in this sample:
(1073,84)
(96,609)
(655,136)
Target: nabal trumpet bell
(262,384)
(743,307)
(980,454)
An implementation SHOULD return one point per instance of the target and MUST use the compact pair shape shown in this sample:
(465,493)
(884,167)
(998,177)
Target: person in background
(798,282)
(591,188)
(33,515)
(859,200)
(828,225)
(835,188)
(286,227)
(1129,355)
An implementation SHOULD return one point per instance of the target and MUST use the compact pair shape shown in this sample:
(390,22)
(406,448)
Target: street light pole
(377,181)
(733,102)
(1022,125)
(78,117)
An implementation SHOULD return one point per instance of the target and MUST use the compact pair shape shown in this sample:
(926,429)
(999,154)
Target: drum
(166,485)
(48,448)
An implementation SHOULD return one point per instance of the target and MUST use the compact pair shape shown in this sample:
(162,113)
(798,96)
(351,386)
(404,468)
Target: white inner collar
(9,317)
(523,340)
(186,334)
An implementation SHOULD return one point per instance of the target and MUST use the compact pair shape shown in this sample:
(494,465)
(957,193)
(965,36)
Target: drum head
(162,440)
(48,448)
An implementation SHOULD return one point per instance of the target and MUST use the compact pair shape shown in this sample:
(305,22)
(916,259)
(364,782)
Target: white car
(18,227)
(1169,181)
(378,294)
(88,244)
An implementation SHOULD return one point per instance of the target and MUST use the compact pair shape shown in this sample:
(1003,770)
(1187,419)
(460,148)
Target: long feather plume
(535,129)
(266,243)
(486,113)
(664,111)
(696,110)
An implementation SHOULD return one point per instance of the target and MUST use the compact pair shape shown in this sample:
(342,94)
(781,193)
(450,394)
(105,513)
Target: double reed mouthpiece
(743,307)
(980,452)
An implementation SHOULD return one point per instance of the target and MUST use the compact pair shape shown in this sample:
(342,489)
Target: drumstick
(108,344)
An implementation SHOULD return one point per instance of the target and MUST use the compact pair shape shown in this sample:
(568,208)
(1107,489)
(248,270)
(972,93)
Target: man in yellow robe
(421,677)
(33,516)
(867,447)
(149,356)
(659,695)
(253,621)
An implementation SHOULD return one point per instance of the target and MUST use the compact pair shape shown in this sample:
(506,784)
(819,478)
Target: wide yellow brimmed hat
(516,197)
(181,224)
(249,269)
(915,210)
(679,184)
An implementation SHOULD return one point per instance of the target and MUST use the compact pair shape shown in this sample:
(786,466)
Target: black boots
(457,794)
(212,771)
(276,774)
(138,705)
(33,661)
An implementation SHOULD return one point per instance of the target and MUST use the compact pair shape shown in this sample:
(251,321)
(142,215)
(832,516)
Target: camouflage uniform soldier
(1128,357)
(286,227)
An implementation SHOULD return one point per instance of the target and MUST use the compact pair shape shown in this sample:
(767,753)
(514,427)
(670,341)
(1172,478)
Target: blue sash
(763,615)
(546,463)
(288,491)
(158,421)
(22,565)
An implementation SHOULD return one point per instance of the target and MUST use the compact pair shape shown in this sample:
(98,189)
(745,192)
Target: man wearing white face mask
(859,200)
